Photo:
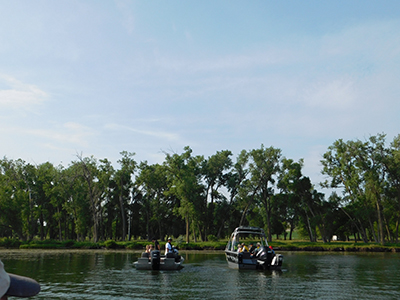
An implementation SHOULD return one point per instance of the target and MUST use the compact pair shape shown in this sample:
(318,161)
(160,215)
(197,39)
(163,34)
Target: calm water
(110,275)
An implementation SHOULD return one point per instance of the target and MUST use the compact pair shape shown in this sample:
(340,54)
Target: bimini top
(249,230)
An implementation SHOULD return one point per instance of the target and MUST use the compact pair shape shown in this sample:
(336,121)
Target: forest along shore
(279,245)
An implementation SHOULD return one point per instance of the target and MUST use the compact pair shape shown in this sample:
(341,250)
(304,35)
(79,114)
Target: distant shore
(279,245)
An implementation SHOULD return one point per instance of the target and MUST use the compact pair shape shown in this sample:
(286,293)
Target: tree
(154,185)
(358,168)
(88,169)
(185,175)
(123,186)
(263,166)
(234,182)
(214,171)
(14,198)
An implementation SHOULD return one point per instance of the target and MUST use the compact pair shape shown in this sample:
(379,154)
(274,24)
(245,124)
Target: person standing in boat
(168,246)
(156,244)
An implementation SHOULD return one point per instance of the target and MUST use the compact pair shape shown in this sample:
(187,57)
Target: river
(110,275)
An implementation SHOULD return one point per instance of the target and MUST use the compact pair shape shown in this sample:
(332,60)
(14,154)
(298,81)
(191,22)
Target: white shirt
(168,248)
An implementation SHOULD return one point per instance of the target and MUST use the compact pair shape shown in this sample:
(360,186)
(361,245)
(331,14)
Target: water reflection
(107,274)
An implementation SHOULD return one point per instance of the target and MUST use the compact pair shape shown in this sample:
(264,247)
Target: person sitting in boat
(270,247)
(244,248)
(239,248)
(252,248)
(148,248)
(255,249)
(168,246)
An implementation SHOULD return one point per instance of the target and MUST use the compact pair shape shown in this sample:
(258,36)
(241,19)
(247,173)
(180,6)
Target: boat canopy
(246,235)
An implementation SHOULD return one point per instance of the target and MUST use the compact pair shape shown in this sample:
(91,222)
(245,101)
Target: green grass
(301,245)
(281,245)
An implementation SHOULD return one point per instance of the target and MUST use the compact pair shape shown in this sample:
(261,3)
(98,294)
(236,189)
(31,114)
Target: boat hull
(245,262)
(258,254)
(169,264)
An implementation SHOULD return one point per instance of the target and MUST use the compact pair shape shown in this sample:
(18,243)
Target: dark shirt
(156,245)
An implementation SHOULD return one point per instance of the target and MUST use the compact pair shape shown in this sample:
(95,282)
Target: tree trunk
(187,228)
(380,223)
(123,218)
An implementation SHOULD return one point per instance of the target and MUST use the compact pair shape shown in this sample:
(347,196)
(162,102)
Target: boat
(155,261)
(261,258)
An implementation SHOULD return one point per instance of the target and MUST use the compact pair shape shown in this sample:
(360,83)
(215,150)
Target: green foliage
(192,196)
(111,244)
(9,243)
(68,244)
(212,238)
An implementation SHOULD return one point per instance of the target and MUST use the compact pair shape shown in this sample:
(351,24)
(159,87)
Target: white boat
(156,261)
(263,257)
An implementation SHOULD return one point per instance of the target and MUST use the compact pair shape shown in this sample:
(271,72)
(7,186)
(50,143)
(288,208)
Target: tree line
(206,198)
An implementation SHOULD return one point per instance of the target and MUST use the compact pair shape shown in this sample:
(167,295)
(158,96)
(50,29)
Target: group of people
(251,249)
(156,246)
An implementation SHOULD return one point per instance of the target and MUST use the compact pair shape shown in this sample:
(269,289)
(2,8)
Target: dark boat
(262,257)
(156,261)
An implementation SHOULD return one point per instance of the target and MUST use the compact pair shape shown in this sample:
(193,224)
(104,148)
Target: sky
(95,78)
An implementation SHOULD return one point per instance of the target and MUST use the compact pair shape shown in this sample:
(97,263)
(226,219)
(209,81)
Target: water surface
(111,275)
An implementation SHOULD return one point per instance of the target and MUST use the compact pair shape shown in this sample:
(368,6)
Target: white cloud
(336,94)
(69,133)
(19,95)
(153,133)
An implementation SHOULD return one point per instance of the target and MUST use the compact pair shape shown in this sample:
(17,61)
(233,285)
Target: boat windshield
(247,235)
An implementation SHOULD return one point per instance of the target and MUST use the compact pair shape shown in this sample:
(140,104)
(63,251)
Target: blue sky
(100,77)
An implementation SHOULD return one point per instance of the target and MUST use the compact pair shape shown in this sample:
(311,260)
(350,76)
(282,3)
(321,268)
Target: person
(239,248)
(252,248)
(244,248)
(156,244)
(16,286)
(148,248)
(168,246)
(270,247)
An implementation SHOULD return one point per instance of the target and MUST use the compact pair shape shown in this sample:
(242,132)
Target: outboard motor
(262,254)
(176,254)
(265,255)
(240,257)
(155,259)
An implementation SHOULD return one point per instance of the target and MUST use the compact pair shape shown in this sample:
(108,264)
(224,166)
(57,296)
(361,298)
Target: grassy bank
(279,245)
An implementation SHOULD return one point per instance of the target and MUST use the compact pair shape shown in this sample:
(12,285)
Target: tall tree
(88,169)
(391,160)
(263,168)
(356,167)
(235,179)
(124,184)
(154,185)
(14,198)
(215,170)
(185,175)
